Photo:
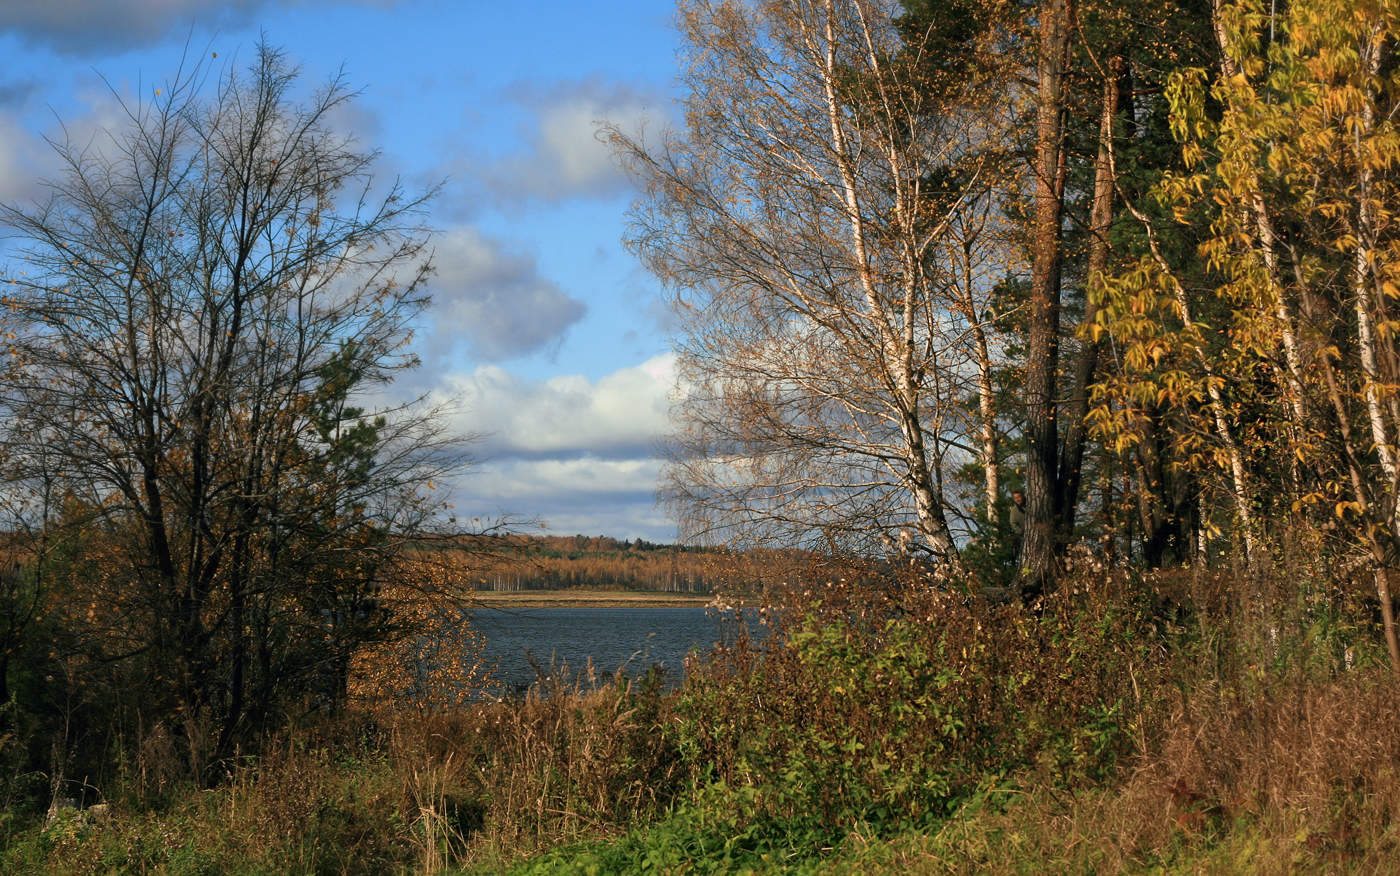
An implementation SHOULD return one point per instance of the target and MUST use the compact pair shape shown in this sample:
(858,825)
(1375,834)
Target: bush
(884,704)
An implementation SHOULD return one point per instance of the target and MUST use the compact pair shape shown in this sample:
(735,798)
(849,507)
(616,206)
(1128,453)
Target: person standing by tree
(1016,515)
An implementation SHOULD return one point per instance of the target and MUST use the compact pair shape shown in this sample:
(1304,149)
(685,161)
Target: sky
(546,337)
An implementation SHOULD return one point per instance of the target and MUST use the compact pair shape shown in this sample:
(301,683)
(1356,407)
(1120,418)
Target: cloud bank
(90,27)
(493,303)
(562,157)
(620,416)
(94,27)
(580,454)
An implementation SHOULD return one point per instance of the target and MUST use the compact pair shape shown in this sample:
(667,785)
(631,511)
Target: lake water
(633,638)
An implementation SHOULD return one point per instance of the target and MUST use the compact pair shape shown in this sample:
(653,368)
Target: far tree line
(549,562)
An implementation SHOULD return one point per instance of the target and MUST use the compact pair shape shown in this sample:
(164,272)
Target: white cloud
(28,161)
(578,454)
(493,302)
(19,156)
(84,27)
(563,156)
(91,27)
(586,495)
(622,415)
(629,521)
(587,481)
(16,93)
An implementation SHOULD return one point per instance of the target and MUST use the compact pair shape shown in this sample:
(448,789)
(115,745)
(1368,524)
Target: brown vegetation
(422,792)
(1127,726)
(527,563)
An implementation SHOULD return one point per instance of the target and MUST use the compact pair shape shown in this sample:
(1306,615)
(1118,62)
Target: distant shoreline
(588,598)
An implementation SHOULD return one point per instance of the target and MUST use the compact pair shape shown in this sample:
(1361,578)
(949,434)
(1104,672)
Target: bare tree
(830,334)
(205,293)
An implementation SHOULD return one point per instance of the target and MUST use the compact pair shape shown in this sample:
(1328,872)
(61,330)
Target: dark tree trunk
(1042,451)
(1100,218)
(1154,504)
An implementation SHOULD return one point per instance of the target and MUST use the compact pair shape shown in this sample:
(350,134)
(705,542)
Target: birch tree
(828,334)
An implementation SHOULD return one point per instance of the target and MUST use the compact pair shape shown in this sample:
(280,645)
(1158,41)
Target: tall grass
(1182,722)
(423,792)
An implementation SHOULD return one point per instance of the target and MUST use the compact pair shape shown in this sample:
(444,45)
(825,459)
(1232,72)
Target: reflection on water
(632,638)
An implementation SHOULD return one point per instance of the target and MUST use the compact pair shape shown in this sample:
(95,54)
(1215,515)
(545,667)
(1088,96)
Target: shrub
(882,703)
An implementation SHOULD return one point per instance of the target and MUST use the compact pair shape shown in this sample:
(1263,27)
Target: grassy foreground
(1182,725)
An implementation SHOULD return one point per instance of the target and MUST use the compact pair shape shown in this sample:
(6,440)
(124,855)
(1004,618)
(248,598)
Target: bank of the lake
(513,599)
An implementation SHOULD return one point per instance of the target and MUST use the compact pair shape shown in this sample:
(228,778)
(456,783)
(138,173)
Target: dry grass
(425,793)
(561,764)
(1257,735)
(1267,744)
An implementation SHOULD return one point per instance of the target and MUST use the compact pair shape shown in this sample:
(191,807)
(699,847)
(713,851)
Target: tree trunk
(1392,642)
(1042,368)
(1100,217)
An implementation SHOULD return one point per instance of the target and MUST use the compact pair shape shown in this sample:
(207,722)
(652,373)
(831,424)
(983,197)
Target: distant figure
(1017,515)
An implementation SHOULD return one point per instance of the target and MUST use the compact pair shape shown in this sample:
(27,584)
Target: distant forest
(557,562)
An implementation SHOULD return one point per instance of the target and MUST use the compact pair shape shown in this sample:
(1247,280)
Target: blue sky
(546,334)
